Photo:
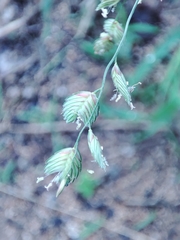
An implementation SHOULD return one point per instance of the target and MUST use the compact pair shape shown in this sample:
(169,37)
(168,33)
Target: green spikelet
(114,29)
(103,44)
(96,150)
(80,107)
(67,164)
(107,4)
(121,85)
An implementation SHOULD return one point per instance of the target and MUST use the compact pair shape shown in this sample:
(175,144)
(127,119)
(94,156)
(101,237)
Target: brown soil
(138,196)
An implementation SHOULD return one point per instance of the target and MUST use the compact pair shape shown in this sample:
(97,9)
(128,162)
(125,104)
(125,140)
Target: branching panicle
(83,107)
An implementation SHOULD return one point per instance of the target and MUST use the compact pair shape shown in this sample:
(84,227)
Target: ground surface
(138,197)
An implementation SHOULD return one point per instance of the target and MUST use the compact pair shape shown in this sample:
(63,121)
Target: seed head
(67,164)
(106,6)
(96,150)
(121,86)
(81,107)
(103,44)
(114,29)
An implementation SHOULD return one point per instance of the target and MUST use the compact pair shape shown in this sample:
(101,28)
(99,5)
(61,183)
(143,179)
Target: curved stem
(97,90)
(107,69)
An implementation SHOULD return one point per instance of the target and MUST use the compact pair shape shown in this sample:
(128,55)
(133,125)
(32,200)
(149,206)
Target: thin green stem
(97,90)
(106,71)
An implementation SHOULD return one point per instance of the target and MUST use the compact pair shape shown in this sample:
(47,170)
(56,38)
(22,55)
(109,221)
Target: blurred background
(46,54)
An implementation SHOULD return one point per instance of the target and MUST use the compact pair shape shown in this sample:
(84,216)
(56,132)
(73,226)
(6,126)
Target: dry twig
(18,23)
(44,128)
(88,10)
(24,65)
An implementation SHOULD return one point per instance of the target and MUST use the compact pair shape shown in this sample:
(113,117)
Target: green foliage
(112,111)
(91,228)
(7,173)
(164,94)
(145,222)
(56,140)
(35,114)
(46,7)
(162,50)
(86,185)
(167,95)
(147,94)
(169,88)
(122,14)
(143,28)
